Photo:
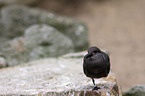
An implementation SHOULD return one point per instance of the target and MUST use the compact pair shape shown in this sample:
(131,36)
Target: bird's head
(94,49)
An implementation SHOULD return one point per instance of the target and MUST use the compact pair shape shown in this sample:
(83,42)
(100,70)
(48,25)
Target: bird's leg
(93,81)
(95,87)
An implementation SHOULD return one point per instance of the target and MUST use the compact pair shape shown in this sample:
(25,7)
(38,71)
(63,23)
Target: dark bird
(96,64)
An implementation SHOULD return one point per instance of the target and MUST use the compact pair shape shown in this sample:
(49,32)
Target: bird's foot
(96,88)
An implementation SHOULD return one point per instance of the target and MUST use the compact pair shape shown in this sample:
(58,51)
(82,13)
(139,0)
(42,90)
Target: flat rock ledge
(61,76)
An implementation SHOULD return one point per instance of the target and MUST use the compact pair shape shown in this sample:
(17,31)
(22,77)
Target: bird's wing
(105,56)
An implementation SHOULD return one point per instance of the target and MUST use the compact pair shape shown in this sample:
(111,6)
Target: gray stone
(3,62)
(39,41)
(16,19)
(45,41)
(61,76)
(21,39)
(15,52)
(2,34)
(138,90)
(22,2)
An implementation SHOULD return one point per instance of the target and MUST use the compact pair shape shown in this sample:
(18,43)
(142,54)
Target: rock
(15,24)
(21,40)
(45,41)
(15,52)
(22,2)
(3,62)
(61,76)
(39,41)
(138,90)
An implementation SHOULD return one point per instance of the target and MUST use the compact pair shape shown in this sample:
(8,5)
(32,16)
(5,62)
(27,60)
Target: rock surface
(22,2)
(39,41)
(54,76)
(3,62)
(15,24)
(138,90)
(36,34)
(46,41)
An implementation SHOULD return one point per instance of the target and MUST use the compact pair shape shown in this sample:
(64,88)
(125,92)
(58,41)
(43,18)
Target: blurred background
(117,26)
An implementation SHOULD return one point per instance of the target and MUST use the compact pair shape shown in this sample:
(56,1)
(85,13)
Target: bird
(96,64)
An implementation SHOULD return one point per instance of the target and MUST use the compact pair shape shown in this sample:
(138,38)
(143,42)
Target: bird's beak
(89,55)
